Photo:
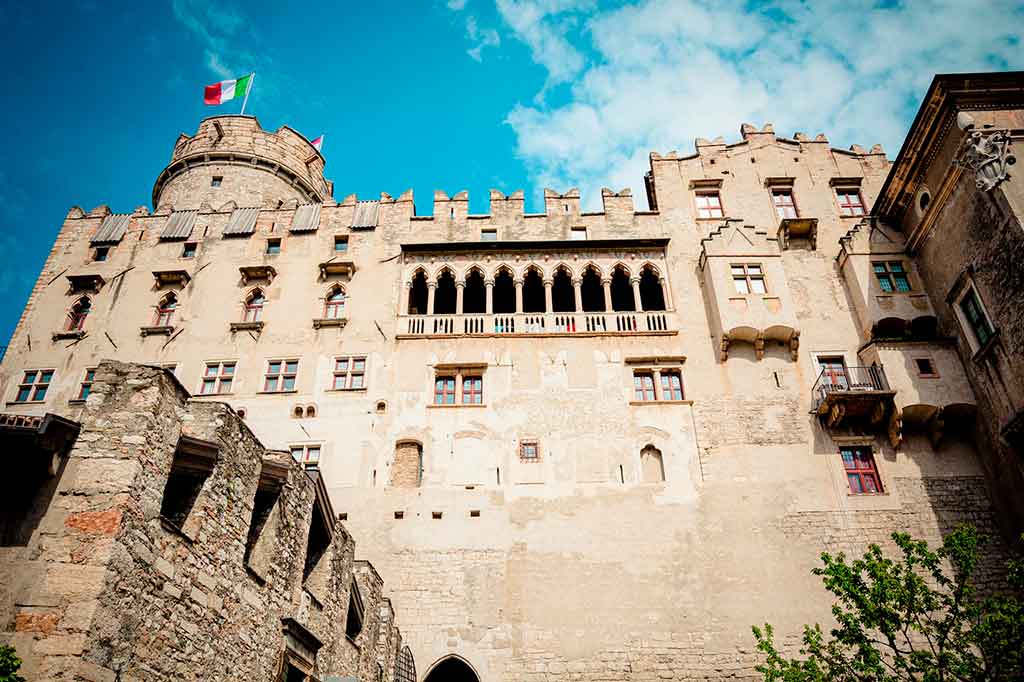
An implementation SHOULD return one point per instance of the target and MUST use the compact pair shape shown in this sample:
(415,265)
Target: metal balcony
(849,395)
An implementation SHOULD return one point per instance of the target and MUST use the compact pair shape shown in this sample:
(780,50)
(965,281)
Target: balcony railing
(525,324)
(852,392)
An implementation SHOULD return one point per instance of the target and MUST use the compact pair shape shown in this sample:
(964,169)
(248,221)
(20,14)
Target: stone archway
(452,669)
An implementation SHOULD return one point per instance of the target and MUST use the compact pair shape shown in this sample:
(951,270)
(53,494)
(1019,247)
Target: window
(34,385)
(273,247)
(671,385)
(253,310)
(891,276)
(354,619)
(529,451)
(444,390)
(101,253)
(184,483)
(472,390)
(489,234)
(306,455)
(334,304)
(861,472)
(188,250)
(784,204)
(280,376)
(833,370)
(349,372)
(850,202)
(643,386)
(77,314)
(975,317)
(86,388)
(165,311)
(340,244)
(578,234)
(925,367)
(217,378)
(748,279)
(216,181)
(709,205)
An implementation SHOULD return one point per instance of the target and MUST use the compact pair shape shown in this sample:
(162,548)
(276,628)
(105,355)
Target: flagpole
(247,89)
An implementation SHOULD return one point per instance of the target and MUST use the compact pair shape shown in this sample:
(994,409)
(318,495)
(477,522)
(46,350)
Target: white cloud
(654,74)
(456,5)
(483,37)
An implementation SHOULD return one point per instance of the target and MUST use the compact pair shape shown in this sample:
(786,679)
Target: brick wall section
(405,471)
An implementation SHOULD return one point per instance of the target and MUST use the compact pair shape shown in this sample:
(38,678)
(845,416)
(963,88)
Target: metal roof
(365,216)
(242,221)
(179,225)
(307,218)
(112,229)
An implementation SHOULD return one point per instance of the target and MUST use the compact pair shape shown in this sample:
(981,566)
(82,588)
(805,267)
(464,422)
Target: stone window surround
(888,261)
(349,372)
(458,371)
(33,386)
(843,485)
(218,377)
(547,271)
(655,366)
(305,448)
(964,285)
(279,379)
(524,443)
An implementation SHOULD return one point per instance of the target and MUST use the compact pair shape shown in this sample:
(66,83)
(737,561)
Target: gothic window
(891,276)
(622,291)
(334,303)
(445,296)
(280,376)
(253,309)
(77,314)
(418,294)
(34,385)
(504,293)
(784,204)
(748,279)
(165,311)
(709,205)
(533,292)
(850,202)
(592,291)
(563,296)
(405,666)
(861,471)
(652,296)
(652,467)
(474,297)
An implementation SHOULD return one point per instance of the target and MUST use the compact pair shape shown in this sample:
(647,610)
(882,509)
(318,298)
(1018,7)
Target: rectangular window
(306,455)
(101,253)
(577,234)
(217,378)
(850,202)
(861,472)
(671,385)
(341,244)
(643,386)
(891,276)
(748,279)
(784,204)
(34,385)
(349,372)
(529,451)
(488,234)
(273,247)
(188,250)
(976,318)
(216,181)
(709,205)
(833,370)
(444,390)
(280,377)
(472,390)
(86,388)
(925,367)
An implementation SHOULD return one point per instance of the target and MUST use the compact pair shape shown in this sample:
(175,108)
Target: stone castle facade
(568,445)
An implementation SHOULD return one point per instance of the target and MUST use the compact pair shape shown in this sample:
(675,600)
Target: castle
(258,433)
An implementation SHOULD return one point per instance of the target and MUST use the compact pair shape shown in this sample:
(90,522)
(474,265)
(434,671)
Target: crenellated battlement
(751,134)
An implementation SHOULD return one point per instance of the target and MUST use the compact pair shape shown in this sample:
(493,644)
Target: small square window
(489,234)
(341,244)
(578,234)
(101,253)
(216,181)
(925,367)
(273,247)
(529,451)
(709,205)
(188,250)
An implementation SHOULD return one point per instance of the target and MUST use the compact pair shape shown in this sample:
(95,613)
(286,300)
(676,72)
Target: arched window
(418,294)
(253,311)
(77,314)
(165,311)
(405,666)
(622,291)
(504,293)
(651,465)
(474,298)
(334,304)
(444,296)
(533,292)
(592,291)
(652,296)
(563,297)
(452,669)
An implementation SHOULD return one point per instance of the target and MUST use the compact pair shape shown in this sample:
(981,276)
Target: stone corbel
(936,429)
(985,152)
(896,429)
(723,353)
(836,414)
(759,346)
(794,345)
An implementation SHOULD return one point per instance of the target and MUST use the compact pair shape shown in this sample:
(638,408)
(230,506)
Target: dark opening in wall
(418,294)
(474,297)
(193,463)
(354,619)
(592,292)
(504,293)
(622,291)
(563,297)
(445,296)
(652,296)
(533,292)
(263,504)
(317,544)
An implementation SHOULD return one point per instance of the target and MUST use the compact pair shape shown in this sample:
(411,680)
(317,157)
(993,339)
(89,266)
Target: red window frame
(307,455)
(861,470)
(712,207)
(529,451)
(34,385)
(785,204)
(643,386)
(254,307)
(280,376)
(218,378)
(671,385)
(851,203)
(472,389)
(834,367)
(165,311)
(78,313)
(86,387)
(334,304)
(349,371)
(444,389)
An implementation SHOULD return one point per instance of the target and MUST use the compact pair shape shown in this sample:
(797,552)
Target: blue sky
(453,94)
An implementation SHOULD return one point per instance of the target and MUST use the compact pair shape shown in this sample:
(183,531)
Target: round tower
(231,158)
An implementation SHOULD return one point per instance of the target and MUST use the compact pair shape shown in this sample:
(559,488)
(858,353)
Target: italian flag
(318,143)
(218,93)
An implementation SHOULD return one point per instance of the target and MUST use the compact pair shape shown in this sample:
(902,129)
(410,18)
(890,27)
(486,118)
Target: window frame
(460,375)
(442,380)
(335,310)
(889,277)
(488,234)
(969,291)
(218,377)
(787,192)
(216,181)
(862,473)
(85,387)
(640,387)
(669,374)
(349,372)
(748,278)
(275,243)
(848,209)
(579,233)
(76,315)
(253,312)
(476,390)
(710,209)
(165,309)
(286,369)
(933,374)
(32,387)
(187,247)
(305,460)
(101,250)
(524,445)
(338,240)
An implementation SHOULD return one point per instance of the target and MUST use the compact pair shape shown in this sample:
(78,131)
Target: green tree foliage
(917,617)
(9,665)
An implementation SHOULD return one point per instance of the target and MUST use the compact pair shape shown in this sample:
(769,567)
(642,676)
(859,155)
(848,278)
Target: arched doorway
(451,669)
